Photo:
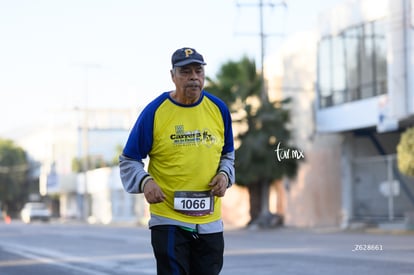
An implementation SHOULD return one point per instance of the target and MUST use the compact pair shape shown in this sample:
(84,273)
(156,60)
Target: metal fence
(380,191)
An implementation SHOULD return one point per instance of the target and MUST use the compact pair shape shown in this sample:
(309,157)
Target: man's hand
(153,193)
(219,185)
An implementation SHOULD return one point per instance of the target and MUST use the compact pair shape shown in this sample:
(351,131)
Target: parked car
(35,211)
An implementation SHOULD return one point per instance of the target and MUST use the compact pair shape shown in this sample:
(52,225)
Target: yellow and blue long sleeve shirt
(187,146)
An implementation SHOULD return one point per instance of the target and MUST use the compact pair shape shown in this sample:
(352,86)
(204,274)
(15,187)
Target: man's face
(189,80)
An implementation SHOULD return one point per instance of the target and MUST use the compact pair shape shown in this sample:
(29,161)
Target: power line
(262,36)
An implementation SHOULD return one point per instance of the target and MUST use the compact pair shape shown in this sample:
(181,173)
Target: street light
(85,140)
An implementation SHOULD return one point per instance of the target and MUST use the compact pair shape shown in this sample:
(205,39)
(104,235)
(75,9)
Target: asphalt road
(97,250)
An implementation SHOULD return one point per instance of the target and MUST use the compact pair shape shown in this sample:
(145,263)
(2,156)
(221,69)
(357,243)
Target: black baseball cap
(185,56)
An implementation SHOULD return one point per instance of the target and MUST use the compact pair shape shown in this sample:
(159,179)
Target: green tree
(14,167)
(265,127)
(96,161)
(118,152)
(405,153)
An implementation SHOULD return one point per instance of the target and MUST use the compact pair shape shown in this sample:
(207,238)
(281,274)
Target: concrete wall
(314,197)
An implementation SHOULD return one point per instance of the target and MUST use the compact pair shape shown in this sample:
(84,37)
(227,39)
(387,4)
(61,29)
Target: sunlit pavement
(78,248)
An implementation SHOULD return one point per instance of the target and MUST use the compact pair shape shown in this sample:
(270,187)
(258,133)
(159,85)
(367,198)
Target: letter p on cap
(188,52)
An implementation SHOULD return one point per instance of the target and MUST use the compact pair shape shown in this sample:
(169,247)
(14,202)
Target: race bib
(194,203)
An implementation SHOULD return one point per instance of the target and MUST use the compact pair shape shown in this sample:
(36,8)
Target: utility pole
(263,36)
(264,196)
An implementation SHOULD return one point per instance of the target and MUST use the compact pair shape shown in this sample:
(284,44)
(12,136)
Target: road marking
(46,256)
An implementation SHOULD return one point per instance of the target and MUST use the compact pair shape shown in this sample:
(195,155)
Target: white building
(73,135)
(362,70)
(365,94)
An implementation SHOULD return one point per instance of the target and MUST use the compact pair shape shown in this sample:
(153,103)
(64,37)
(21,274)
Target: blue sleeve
(228,130)
(140,139)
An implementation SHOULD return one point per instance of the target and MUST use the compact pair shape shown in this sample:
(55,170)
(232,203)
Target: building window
(352,65)
(353,40)
(380,50)
(325,78)
(338,71)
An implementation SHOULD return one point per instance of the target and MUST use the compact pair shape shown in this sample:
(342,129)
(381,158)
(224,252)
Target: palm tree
(260,127)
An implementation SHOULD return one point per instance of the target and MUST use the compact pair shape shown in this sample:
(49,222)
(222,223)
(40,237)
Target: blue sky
(124,47)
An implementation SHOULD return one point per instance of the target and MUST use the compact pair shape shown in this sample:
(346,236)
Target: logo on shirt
(192,138)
